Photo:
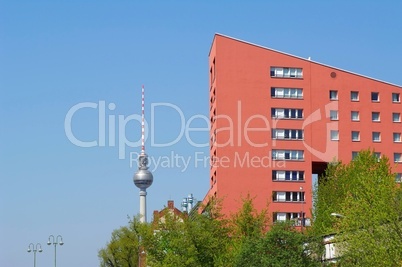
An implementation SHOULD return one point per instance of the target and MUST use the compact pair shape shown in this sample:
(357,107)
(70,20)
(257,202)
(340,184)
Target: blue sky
(58,54)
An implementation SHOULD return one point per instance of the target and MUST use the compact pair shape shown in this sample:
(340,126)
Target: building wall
(241,123)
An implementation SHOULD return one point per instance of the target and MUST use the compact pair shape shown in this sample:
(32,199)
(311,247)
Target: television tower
(143,178)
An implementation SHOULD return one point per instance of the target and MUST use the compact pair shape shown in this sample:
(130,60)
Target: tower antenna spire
(143,121)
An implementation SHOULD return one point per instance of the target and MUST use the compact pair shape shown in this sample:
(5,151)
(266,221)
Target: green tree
(169,243)
(123,248)
(208,240)
(248,226)
(286,246)
(365,193)
(258,245)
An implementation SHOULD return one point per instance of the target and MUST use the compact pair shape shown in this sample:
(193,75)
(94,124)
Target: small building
(159,216)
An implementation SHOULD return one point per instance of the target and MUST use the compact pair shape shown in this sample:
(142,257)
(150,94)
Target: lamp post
(302,206)
(55,242)
(34,249)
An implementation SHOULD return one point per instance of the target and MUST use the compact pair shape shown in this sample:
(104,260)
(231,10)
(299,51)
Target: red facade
(277,119)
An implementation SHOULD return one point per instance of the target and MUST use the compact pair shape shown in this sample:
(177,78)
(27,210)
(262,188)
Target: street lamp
(55,242)
(34,249)
(302,210)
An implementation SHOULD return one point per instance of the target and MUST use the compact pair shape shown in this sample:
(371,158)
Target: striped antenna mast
(143,122)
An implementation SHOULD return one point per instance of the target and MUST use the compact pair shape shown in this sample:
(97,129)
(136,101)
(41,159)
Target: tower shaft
(143,205)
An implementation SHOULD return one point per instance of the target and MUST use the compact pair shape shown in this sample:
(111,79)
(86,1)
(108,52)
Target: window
(286,72)
(288,196)
(396,98)
(375,97)
(396,117)
(287,113)
(376,136)
(296,217)
(287,175)
(354,96)
(288,134)
(333,95)
(333,115)
(287,154)
(377,155)
(397,137)
(398,177)
(283,216)
(375,116)
(355,136)
(287,93)
(354,154)
(334,135)
(397,157)
(355,116)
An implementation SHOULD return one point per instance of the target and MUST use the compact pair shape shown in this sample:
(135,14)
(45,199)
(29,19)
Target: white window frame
(375,116)
(288,176)
(286,113)
(291,93)
(293,154)
(377,98)
(396,98)
(280,196)
(355,118)
(279,113)
(278,133)
(397,137)
(355,136)
(281,216)
(354,95)
(396,117)
(376,136)
(334,135)
(286,72)
(333,115)
(397,157)
(333,94)
(281,134)
(280,175)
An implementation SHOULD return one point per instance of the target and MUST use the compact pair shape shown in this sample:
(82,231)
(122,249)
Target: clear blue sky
(57,54)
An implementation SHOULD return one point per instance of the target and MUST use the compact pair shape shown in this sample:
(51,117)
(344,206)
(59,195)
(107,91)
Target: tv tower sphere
(143,178)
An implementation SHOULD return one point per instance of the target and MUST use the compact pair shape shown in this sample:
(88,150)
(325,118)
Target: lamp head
(61,243)
(29,250)
(40,250)
(48,242)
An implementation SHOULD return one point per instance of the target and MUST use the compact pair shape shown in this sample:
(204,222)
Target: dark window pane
(299,113)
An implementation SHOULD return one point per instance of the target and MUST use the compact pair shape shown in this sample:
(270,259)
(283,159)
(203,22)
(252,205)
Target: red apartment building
(277,119)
